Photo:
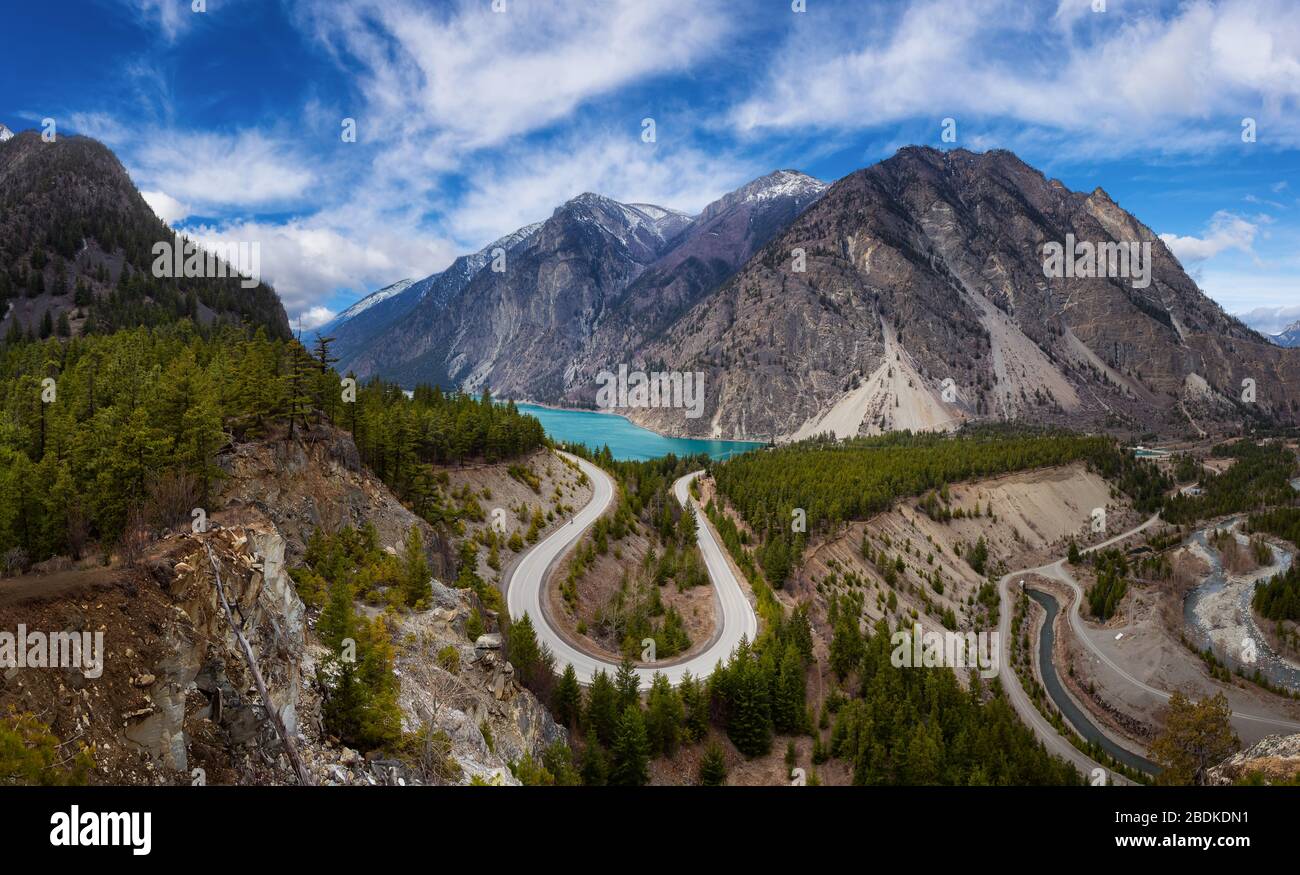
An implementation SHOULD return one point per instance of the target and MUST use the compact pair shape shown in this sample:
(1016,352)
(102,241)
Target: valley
(888,412)
(431,584)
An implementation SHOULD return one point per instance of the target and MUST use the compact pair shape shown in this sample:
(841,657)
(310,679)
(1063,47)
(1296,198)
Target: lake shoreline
(625,417)
(626,439)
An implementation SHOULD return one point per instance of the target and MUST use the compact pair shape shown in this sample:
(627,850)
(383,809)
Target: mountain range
(1288,337)
(596,278)
(909,294)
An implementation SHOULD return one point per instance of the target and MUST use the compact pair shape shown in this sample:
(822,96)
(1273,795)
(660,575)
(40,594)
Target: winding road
(1020,700)
(525,585)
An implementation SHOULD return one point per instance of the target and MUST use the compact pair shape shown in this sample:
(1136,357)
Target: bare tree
(15,561)
(135,537)
(172,496)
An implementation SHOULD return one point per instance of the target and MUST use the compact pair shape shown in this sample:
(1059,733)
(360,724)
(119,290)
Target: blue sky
(472,122)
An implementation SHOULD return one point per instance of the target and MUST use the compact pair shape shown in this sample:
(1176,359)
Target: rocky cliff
(177,701)
(913,294)
(1272,760)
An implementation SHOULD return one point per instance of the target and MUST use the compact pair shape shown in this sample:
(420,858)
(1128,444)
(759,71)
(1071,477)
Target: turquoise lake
(626,441)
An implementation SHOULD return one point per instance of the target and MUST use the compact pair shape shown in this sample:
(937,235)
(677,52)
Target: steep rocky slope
(910,294)
(356,330)
(319,481)
(70,216)
(176,694)
(1272,760)
(932,262)
(517,323)
(722,238)
(573,296)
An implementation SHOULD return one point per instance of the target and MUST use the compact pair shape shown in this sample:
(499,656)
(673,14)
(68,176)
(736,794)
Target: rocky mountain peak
(780,185)
(1290,336)
(929,264)
(5,133)
(643,230)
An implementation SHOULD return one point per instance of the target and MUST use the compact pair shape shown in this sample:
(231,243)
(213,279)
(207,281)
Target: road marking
(525,589)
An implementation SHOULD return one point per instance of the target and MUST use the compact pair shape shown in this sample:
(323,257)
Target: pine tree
(749,720)
(695,705)
(713,766)
(788,711)
(628,685)
(297,402)
(361,691)
(344,695)
(630,752)
(595,768)
(416,586)
(664,716)
(602,707)
(522,649)
(201,435)
(568,698)
(326,380)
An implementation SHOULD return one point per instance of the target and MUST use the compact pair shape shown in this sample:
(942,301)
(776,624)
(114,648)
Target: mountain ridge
(617,244)
(943,250)
(923,303)
(1288,337)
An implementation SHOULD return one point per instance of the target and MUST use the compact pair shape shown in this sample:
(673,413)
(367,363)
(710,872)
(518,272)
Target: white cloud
(171,17)
(1273,320)
(477,77)
(1225,231)
(526,185)
(314,317)
(212,171)
(174,18)
(1241,291)
(1115,88)
(99,125)
(440,87)
(308,259)
(165,206)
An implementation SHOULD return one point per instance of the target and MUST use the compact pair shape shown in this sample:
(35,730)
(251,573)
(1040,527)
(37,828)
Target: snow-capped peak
(374,298)
(1289,336)
(5,134)
(656,212)
(652,224)
(514,238)
(783,183)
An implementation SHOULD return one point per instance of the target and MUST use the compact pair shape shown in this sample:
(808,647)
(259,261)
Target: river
(627,441)
(1072,713)
(1217,613)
